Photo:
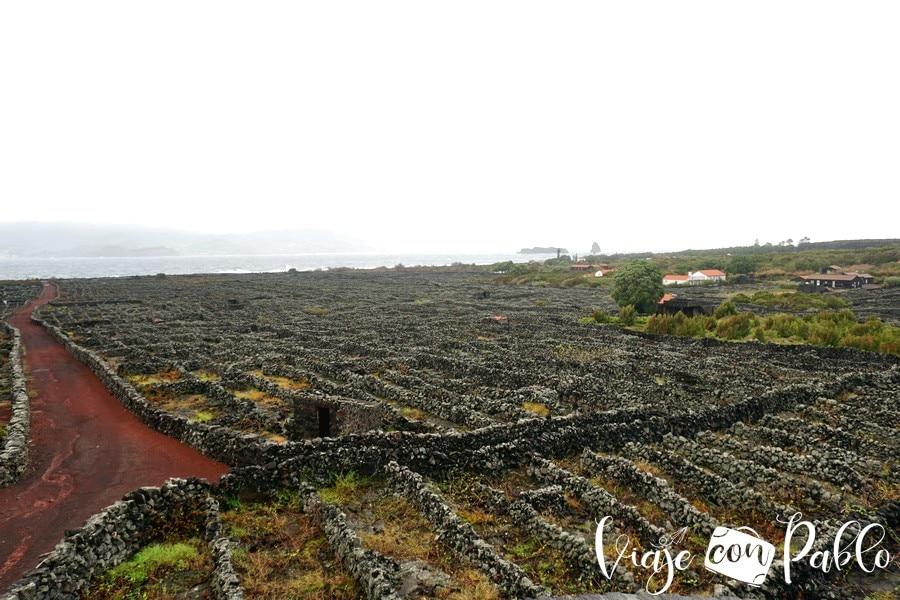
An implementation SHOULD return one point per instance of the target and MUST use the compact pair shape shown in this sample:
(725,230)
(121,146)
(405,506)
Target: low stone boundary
(443,454)
(596,499)
(675,506)
(376,574)
(224,581)
(460,536)
(115,534)
(14,451)
(220,443)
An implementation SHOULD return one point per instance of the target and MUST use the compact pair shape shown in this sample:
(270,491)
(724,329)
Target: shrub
(658,324)
(735,327)
(892,282)
(518,269)
(601,316)
(627,316)
(726,310)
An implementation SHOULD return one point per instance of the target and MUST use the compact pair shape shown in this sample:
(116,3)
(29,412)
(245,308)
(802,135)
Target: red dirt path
(87,451)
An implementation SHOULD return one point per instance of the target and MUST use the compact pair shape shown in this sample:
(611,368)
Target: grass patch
(536,408)
(203,416)
(316,311)
(166,376)
(258,396)
(345,488)
(163,570)
(405,534)
(283,554)
(285,382)
(192,406)
(474,585)
(412,413)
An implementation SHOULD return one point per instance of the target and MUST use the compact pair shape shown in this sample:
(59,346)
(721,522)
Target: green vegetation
(164,570)
(203,416)
(638,284)
(316,311)
(773,262)
(553,272)
(741,265)
(792,300)
(283,553)
(345,487)
(826,328)
(627,316)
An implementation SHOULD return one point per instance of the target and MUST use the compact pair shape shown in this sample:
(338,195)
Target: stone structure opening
(324,415)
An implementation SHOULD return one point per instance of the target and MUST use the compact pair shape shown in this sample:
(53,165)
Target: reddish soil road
(87,451)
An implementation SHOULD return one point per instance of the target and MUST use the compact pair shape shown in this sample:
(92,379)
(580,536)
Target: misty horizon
(640,127)
(83,239)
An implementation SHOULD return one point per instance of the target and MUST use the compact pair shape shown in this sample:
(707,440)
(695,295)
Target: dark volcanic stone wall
(501,434)
(14,445)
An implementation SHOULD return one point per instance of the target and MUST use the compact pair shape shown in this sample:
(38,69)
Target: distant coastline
(21,268)
(544,250)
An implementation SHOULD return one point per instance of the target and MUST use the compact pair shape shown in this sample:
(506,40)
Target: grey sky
(461,126)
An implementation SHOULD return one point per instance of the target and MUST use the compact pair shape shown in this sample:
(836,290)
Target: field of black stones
(497,430)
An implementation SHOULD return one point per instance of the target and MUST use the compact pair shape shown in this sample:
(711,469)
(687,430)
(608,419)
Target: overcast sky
(463,126)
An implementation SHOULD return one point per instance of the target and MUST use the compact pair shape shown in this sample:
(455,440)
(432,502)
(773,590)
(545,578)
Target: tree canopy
(639,284)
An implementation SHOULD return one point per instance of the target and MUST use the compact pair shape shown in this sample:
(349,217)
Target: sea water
(42,268)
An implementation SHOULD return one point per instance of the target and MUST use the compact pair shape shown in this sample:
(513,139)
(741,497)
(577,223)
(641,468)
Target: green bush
(726,310)
(518,269)
(827,328)
(601,316)
(892,282)
(627,315)
(792,300)
(735,327)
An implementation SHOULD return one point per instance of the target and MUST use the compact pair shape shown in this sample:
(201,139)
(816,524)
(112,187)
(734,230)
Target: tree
(639,284)
(712,263)
(741,264)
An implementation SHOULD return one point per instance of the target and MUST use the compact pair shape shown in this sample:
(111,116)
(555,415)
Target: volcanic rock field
(437,435)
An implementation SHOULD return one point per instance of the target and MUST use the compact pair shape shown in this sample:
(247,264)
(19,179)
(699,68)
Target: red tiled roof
(836,277)
(713,273)
(676,277)
(667,297)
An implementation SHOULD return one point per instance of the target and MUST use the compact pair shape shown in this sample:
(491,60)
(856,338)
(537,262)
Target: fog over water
(29,268)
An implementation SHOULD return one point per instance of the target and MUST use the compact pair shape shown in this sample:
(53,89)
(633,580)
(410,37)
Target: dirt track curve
(87,452)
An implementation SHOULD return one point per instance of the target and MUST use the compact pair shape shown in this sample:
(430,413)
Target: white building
(706,275)
(675,279)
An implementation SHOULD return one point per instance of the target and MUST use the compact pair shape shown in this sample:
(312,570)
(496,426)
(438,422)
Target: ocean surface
(65,268)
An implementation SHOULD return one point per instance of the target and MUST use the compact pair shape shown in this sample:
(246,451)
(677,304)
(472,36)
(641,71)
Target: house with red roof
(706,275)
(835,280)
(675,279)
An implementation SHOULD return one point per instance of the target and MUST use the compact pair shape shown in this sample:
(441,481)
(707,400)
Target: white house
(675,279)
(706,275)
